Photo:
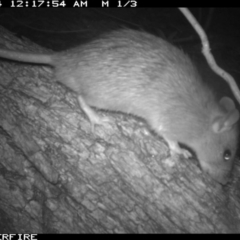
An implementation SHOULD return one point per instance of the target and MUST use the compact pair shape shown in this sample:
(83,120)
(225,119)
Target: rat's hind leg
(92,115)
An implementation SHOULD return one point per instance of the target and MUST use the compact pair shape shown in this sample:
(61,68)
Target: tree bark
(58,176)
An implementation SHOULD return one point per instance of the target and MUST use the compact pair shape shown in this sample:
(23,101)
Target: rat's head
(217,149)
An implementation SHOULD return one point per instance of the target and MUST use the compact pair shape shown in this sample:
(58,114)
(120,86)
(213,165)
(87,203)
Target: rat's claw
(98,120)
(186,153)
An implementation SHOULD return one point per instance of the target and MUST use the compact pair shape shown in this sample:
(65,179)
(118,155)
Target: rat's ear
(225,123)
(227,104)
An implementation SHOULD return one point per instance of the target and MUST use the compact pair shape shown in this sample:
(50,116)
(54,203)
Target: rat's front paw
(176,149)
(185,153)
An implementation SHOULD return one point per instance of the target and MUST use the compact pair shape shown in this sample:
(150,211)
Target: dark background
(59,29)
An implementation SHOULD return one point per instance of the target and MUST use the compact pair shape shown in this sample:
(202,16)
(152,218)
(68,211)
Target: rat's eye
(227,155)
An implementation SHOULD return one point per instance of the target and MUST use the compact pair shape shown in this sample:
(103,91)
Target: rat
(135,72)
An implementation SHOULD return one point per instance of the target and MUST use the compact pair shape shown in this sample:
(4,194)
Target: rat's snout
(219,172)
(223,180)
(222,177)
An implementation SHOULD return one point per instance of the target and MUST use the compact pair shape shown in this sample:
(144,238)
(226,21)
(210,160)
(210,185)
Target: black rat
(137,73)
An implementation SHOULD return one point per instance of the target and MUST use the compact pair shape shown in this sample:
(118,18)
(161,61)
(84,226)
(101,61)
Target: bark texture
(57,176)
